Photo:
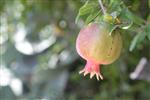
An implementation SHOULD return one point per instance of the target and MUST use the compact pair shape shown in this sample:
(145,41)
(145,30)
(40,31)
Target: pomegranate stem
(102,7)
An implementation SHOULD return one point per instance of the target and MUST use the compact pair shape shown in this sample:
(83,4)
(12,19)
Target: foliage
(38,57)
(91,10)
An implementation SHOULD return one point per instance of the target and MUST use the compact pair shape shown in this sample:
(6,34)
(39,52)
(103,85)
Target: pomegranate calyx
(93,69)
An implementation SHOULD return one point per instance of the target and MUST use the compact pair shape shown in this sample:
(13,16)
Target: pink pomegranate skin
(96,46)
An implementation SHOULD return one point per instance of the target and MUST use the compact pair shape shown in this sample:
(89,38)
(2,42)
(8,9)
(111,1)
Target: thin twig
(102,7)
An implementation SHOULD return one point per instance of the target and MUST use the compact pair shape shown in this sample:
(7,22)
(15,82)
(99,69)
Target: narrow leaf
(112,29)
(149,3)
(147,30)
(87,8)
(134,17)
(115,14)
(137,39)
(77,18)
(92,16)
(148,35)
(126,26)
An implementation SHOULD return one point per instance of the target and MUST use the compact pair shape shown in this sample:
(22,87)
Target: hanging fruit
(97,46)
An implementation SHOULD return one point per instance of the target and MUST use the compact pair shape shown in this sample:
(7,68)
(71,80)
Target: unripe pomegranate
(96,46)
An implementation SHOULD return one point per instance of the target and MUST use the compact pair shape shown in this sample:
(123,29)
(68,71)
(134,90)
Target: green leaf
(149,3)
(87,8)
(92,16)
(147,30)
(77,18)
(135,18)
(112,28)
(148,35)
(115,14)
(126,25)
(148,19)
(128,15)
(136,40)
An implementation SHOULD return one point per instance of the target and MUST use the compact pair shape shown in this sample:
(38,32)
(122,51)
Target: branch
(102,7)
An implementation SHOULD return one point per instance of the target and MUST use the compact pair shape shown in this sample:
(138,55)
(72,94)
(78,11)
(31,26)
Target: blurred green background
(39,59)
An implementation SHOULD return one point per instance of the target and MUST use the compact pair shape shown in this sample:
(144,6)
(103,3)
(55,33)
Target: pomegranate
(96,46)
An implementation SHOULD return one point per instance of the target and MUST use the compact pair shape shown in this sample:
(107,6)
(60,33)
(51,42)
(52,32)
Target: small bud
(108,18)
